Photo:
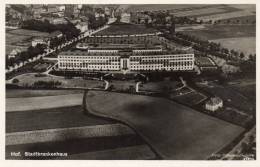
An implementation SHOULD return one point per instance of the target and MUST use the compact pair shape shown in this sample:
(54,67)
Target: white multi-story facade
(125,61)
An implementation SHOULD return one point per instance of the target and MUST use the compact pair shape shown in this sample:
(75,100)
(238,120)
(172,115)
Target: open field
(174,7)
(246,88)
(206,11)
(140,152)
(241,44)
(80,146)
(212,32)
(25,32)
(21,38)
(19,93)
(14,38)
(68,133)
(29,79)
(202,12)
(239,20)
(125,29)
(222,16)
(62,117)
(42,66)
(167,126)
(10,48)
(45,102)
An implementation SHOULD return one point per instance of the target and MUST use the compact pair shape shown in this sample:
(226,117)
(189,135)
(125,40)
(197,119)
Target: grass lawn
(247,90)
(212,32)
(45,102)
(203,61)
(122,85)
(19,93)
(126,29)
(29,68)
(174,131)
(189,99)
(161,86)
(29,79)
(231,97)
(41,66)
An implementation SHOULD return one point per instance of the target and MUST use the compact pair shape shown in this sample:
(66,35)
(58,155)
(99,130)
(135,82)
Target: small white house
(214,104)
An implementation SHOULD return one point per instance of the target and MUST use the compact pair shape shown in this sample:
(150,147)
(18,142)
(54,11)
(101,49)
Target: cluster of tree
(25,55)
(68,30)
(46,84)
(248,67)
(205,47)
(89,12)
(54,42)
(162,18)
(97,23)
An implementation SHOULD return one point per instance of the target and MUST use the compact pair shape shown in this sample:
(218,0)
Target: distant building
(57,20)
(140,18)
(98,15)
(46,40)
(14,53)
(125,17)
(214,104)
(38,40)
(82,26)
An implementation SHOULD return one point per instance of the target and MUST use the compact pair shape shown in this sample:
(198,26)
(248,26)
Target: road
(49,51)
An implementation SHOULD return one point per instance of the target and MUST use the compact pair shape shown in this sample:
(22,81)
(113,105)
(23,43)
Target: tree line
(26,55)
(205,47)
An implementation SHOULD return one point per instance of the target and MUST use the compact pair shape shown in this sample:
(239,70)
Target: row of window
(180,56)
(87,58)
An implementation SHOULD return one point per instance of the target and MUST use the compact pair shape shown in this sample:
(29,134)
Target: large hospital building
(122,57)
